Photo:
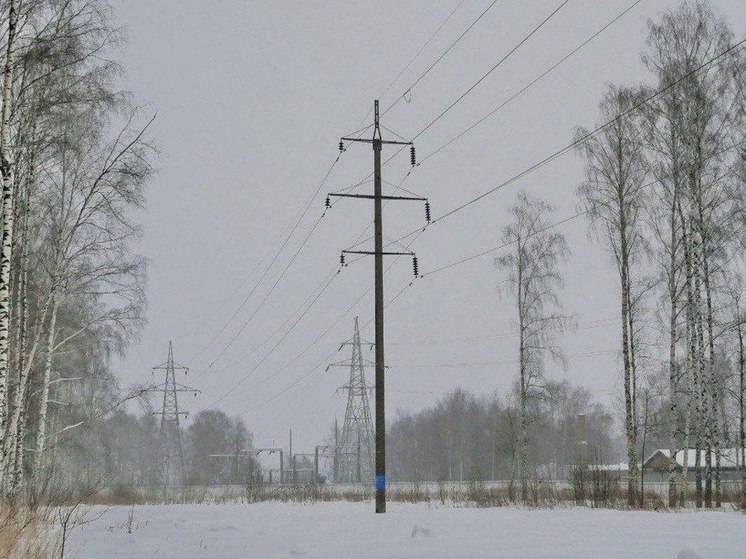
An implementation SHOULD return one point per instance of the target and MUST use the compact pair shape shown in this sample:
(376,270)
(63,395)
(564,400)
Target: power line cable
(298,356)
(309,347)
(502,105)
(241,285)
(312,345)
(274,258)
(269,353)
(585,325)
(243,303)
(545,161)
(552,225)
(474,85)
(437,60)
(501,61)
(311,296)
(574,143)
(499,362)
(495,67)
(533,82)
(246,323)
(408,64)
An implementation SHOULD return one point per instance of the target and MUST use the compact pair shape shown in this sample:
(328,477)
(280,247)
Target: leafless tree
(89,238)
(614,196)
(75,162)
(693,130)
(532,271)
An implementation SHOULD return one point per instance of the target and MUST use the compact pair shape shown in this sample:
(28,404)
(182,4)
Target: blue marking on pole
(380,482)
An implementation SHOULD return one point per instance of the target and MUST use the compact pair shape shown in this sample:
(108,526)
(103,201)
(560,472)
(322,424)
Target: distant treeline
(123,451)
(471,437)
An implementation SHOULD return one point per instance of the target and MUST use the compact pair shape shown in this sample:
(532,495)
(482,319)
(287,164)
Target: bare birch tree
(695,125)
(75,192)
(614,197)
(534,280)
(89,237)
(7,168)
(739,332)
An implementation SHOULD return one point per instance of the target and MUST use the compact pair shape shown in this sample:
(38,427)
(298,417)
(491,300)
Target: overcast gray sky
(252,98)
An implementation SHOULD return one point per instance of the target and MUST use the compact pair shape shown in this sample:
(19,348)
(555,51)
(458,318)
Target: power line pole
(380,422)
(169,438)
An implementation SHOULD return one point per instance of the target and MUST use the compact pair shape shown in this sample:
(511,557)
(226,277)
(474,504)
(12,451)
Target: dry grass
(596,490)
(26,533)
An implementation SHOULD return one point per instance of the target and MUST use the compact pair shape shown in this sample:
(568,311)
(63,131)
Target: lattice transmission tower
(355,447)
(171,449)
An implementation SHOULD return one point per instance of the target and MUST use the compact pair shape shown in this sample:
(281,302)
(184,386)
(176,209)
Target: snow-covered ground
(352,531)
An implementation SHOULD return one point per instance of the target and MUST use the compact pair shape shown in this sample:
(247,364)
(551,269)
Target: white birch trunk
(629,414)
(6,246)
(44,404)
(742,407)
(673,488)
(20,406)
(692,411)
(700,382)
(522,428)
(714,411)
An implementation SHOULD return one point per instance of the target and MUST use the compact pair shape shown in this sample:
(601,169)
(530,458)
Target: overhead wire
(581,213)
(585,325)
(498,362)
(474,85)
(546,160)
(441,57)
(314,344)
(407,65)
(479,81)
(552,225)
(271,351)
(284,243)
(572,145)
(503,59)
(489,72)
(251,276)
(419,51)
(248,321)
(334,324)
(245,377)
(243,303)
(533,82)
(502,105)
(309,347)
(321,286)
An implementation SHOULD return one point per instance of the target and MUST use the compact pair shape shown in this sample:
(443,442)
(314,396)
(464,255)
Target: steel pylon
(171,449)
(356,445)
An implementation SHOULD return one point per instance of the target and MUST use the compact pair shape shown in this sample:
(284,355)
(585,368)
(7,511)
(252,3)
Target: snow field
(352,531)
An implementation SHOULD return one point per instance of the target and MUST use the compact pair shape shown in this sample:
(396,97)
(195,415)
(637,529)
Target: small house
(658,464)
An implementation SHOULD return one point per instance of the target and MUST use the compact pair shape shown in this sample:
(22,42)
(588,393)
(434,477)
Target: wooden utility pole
(378,253)
(380,363)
